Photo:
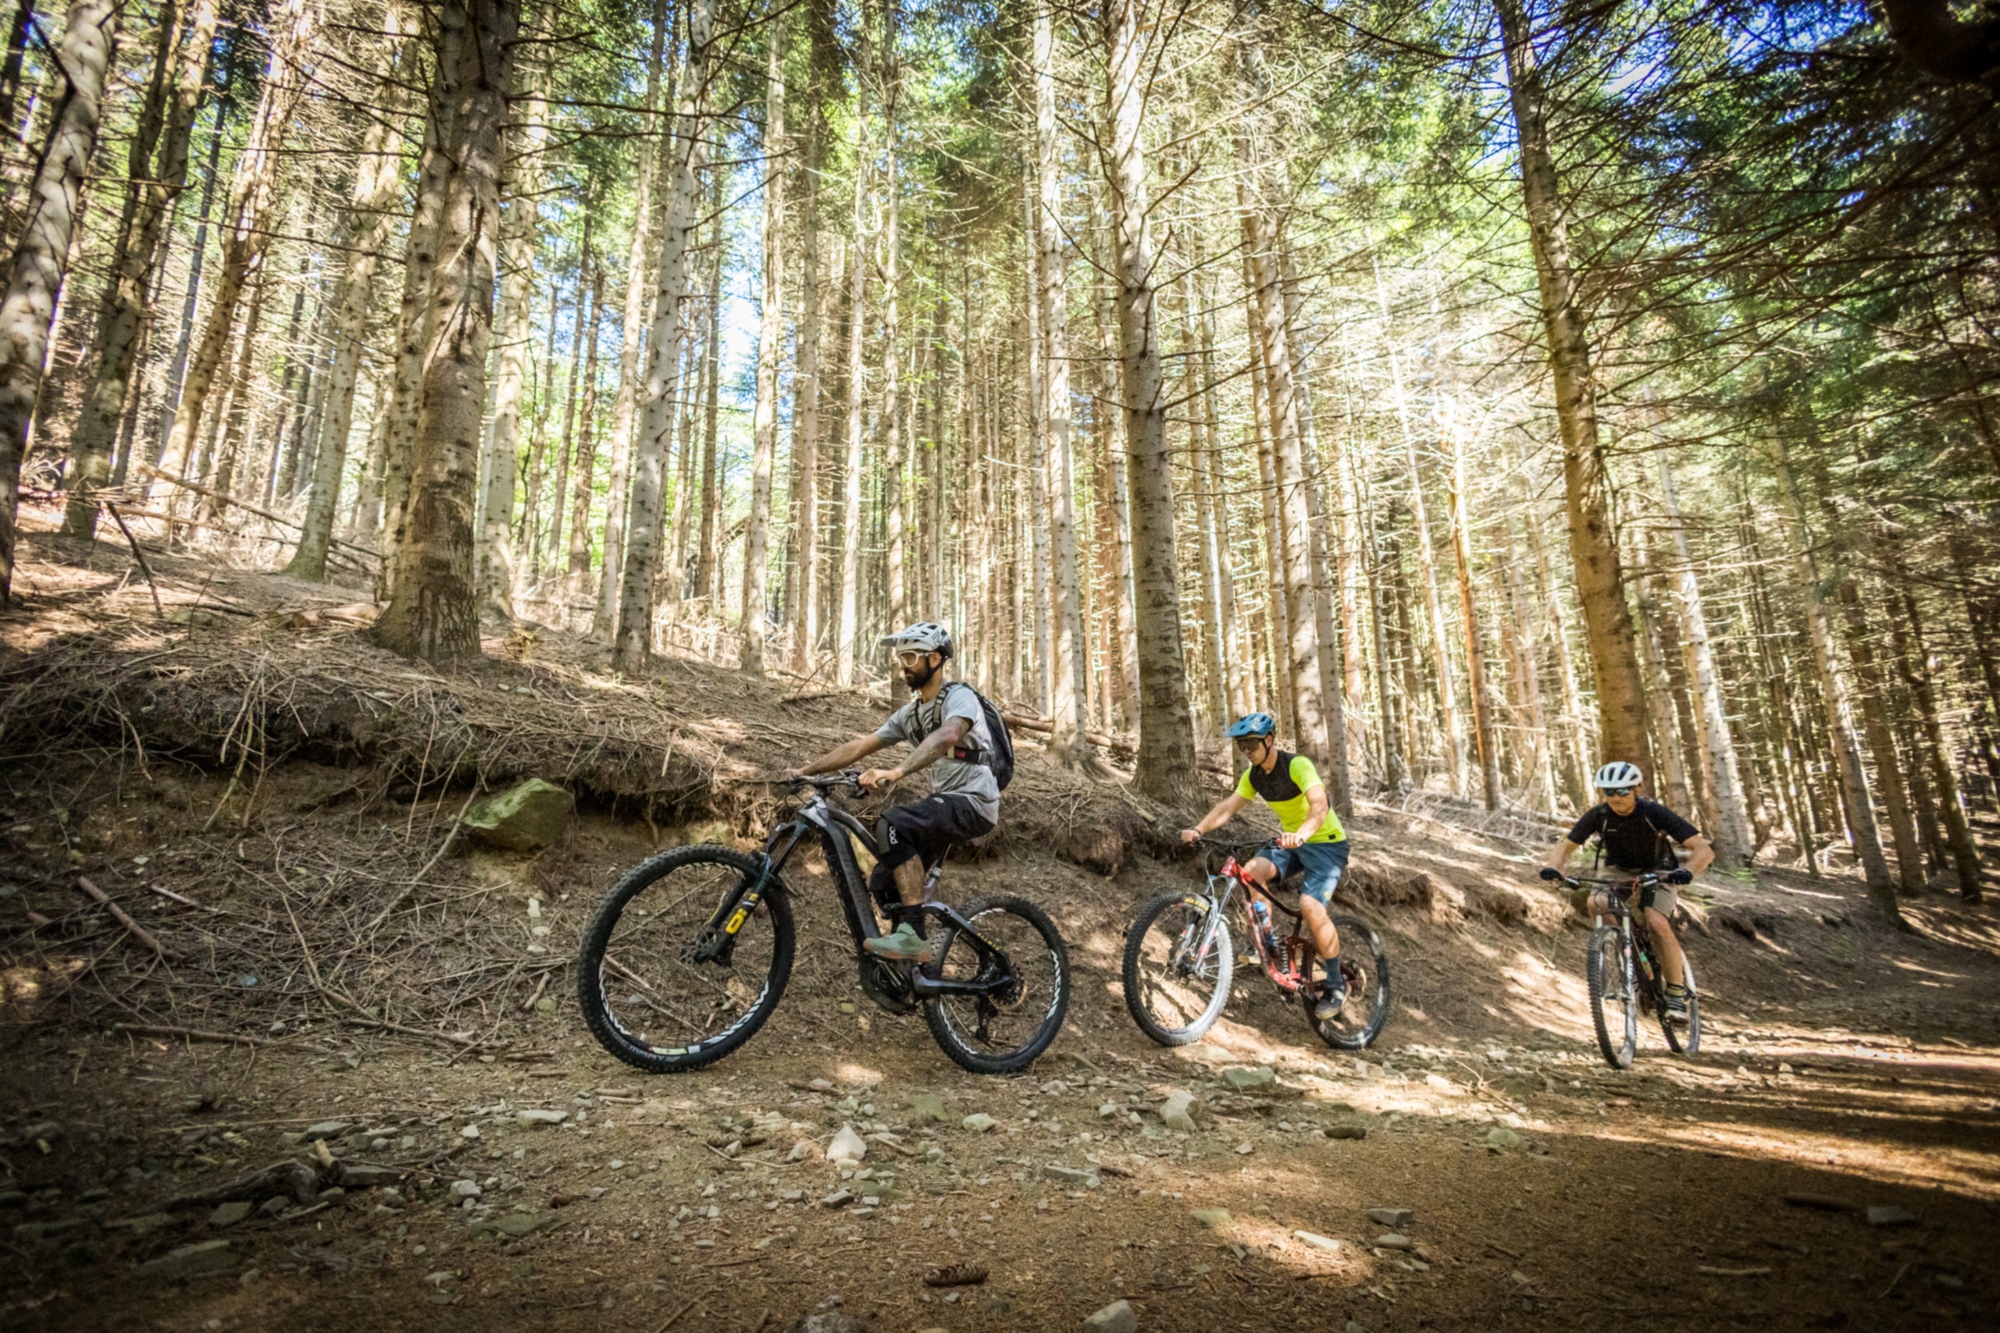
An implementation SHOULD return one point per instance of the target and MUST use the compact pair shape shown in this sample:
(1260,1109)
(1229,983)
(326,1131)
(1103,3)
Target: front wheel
(1004,1029)
(1614,1001)
(1364,971)
(1178,966)
(653,995)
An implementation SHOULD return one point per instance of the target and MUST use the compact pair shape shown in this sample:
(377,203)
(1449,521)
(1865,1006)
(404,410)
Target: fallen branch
(118,914)
(191,1034)
(138,555)
(227,500)
(292,1177)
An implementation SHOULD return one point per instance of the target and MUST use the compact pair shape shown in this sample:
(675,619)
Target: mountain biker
(1313,840)
(1636,836)
(948,732)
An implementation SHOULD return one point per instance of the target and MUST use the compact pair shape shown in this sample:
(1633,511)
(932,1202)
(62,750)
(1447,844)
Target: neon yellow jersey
(1284,789)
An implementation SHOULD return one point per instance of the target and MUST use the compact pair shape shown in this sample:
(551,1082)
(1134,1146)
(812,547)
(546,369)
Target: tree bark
(585,461)
(1734,841)
(520,221)
(1838,697)
(849,626)
(1607,617)
(127,305)
(377,174)
(1166,762)
(1484,736)
(1919,667)
(633,645)
(433,604)
(638,288)
(770,334)
(248,238)
(36,275)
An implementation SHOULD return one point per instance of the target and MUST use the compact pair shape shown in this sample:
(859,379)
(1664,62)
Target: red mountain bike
(1179,962)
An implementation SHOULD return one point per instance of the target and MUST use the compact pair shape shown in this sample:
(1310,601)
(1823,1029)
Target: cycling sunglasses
(1618,791)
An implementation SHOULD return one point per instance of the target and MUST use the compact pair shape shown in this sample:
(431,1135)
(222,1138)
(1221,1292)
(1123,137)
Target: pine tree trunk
(1918,669)
(585,462)
(1838,698)
(638,288)
(172,100)
(770,333)
(708,574)
(849,627)
(433,604)
(365,232)
(1165,768)
(249,234)
(379,516)
(1109,427)
(520,220)
(222,488)
(1734,841)
(633,645)
(36,274)
(1607,617)
(1484,735)
(584,314)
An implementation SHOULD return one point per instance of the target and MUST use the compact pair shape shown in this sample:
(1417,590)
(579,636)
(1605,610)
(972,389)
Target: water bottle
(1260,912)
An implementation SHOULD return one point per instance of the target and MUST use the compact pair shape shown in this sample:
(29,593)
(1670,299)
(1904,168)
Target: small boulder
(229,1214)
(535,1116)
(1500,1137)
(979,1122)
(927,1108)
(1244,1079)
(1345,1131)
(847,1146)
(527,817)
(1393,1218)
(1177,1112)
(197,1260)
(1117,1317)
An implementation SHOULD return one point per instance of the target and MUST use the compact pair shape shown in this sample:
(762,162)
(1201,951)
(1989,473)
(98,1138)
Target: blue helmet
(1253,724)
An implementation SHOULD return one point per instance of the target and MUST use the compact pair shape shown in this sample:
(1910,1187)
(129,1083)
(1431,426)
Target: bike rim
(1178,981)
(1013,1018)
(655,994)
(1366,993)
(1618,1012)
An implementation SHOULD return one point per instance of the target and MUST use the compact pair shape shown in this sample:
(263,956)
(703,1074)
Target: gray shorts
(1665,899)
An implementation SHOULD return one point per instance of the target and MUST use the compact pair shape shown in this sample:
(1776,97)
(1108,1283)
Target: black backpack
(1001,758)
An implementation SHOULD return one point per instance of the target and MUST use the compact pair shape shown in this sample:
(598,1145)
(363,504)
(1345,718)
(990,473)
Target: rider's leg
(1319,927)
(1673,966)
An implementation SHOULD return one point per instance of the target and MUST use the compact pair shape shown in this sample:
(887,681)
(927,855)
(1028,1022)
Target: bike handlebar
(847,779)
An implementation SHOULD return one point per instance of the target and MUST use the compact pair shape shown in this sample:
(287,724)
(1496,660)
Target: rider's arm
(1219,814)
(1564,850)
(842,755)
(1315,816)
(1701,855)
(933,748)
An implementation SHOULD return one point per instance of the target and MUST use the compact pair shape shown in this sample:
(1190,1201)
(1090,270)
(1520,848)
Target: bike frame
(1637,938)
(1286,973)
(837,831)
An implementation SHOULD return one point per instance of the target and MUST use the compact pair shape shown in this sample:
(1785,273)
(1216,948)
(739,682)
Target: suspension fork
(736,906)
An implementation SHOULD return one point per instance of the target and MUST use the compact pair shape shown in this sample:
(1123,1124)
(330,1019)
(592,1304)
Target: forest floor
(395,1008)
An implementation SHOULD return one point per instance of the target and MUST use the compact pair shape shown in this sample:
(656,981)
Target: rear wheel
(1684,1034)
(1364,970)
(1614,1007)
(1178,967)
(646,996)
(1003,1030)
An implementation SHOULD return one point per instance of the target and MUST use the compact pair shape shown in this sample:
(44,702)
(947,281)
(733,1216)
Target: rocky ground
(456,1151)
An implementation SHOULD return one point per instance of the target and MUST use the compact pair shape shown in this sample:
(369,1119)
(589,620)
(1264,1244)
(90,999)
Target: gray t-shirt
(917,719)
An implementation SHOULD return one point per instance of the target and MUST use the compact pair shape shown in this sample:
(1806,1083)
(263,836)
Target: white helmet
(1616,774)
(925,637)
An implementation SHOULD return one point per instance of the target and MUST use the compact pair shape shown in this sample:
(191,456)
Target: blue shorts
(1322,863)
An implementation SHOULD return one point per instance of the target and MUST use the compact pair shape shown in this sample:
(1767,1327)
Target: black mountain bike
(1179,964)
(1625,980)
(691,950)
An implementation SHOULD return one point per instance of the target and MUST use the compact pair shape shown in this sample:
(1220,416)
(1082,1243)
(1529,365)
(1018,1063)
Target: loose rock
(526,817)
(229,1214)
(1345,1131)
(1501,1137)
(1213,1218)
(847,1146)
(1177,1112)
(1317,1241)
(979,1122)
(1117,1317)
(197,1260)
(1889,1216)
(1393,1218)
(1259,1076)
(927,1108)
(1392,1241)
(534,1116)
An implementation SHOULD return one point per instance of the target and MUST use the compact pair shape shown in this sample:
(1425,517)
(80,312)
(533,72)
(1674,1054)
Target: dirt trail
(1844,1065)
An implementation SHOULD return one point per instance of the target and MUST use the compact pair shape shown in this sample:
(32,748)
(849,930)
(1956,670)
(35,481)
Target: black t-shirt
(1636,842)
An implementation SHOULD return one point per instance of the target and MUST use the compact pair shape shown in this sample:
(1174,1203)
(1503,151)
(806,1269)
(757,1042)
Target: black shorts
(927,828)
